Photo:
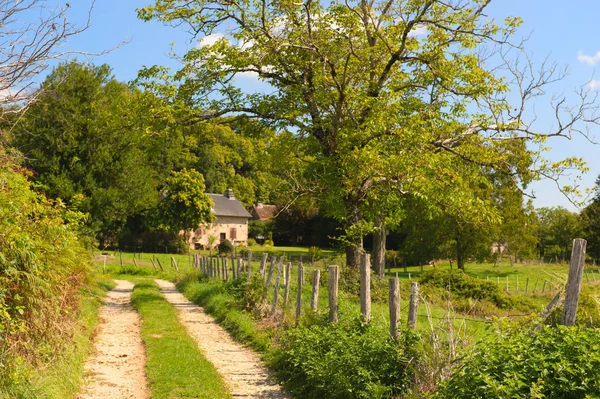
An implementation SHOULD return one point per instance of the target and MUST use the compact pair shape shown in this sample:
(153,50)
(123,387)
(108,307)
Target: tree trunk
(353,256)
(379,239)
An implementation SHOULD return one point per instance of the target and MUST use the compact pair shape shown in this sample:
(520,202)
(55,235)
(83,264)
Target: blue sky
(565,31)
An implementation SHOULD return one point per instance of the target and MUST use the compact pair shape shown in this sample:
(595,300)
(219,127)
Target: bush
(343,360)
(225,247)
(251,242)
(463,285)
(269,243)
(43,265)
(314,253)
(561,362)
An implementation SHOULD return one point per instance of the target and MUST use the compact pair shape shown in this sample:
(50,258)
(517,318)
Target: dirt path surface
(244,372)
(116,368)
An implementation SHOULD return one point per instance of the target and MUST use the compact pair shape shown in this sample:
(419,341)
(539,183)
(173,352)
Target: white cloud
(594,85)
(418,31)
(588,59)
(210,39)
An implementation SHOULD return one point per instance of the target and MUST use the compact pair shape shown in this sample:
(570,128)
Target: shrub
(345,360)
(225,247)
(43,264)
(314,253)
(463,285)
(269,243)
(251,242)
(561,362)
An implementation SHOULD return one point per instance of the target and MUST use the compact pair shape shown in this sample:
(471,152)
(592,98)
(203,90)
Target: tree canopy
(384,99)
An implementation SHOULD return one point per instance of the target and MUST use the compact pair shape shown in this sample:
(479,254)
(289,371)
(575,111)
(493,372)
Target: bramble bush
(556,362)
(344,360)
(43,264)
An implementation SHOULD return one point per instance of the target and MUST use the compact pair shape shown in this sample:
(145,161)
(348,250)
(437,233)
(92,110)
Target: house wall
(222,225)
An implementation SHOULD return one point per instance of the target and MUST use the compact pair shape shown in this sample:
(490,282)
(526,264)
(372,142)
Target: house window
(223,236)
(233,233)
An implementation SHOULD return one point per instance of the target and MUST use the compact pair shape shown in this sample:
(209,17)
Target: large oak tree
(384,98)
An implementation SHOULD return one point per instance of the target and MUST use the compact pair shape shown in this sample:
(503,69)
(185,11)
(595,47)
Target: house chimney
(229,194)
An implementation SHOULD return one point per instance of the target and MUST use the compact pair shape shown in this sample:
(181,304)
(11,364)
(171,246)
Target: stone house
(231,223)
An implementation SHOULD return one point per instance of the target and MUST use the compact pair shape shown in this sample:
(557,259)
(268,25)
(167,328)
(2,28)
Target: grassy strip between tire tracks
(175,366)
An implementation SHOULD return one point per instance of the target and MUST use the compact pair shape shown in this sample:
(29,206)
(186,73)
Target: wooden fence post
(365,286)
(159,264)
(249,266)
(135,262)
(270,274)
(288,278)
(299,293)
(394,305)
(527,285)
(263,264)
(174,263)
(333,278)
(574,281)
(413,305)
(314,300)
(121,257)
(104,265)
(276,290)
(239,268)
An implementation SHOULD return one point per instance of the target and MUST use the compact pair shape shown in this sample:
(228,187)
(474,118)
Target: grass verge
(175,366)
(62,376)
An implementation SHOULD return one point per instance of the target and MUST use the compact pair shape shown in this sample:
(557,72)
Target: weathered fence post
(270,274)
(159,264)
(288,278)
(299,293)
(517,285)
(135,262)
(314,299)
(276,290)
(174,263)
(333,278)
(226,268)
(239,268)
(413,305)
(263,264)
(249,266)
(527,285)
(365,286)
(104,266)
(394,305)
(574,281)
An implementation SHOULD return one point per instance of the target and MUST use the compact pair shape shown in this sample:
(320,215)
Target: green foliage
(372,111)
(225,247)
(43,264)
(184,204)
(590,219)
(314,252)
(559,362)
(557,227)
(344,360)
(260,228)
(90,140)
(269,243)
(462,285)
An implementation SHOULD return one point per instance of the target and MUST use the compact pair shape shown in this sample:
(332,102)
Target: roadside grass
(175,366)
(63,376)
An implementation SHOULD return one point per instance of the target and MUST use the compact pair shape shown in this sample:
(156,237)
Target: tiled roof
(224,206)
(263,212)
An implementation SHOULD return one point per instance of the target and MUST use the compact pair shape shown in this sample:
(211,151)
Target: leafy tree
(557,228)
(185,204)
(91,141)
(590,219)
(375,109)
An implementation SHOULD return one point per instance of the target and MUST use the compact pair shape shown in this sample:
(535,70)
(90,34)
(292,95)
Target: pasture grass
(175,366)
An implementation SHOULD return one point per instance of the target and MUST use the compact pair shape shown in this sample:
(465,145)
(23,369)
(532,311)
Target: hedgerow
(556,362)
(43,264)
